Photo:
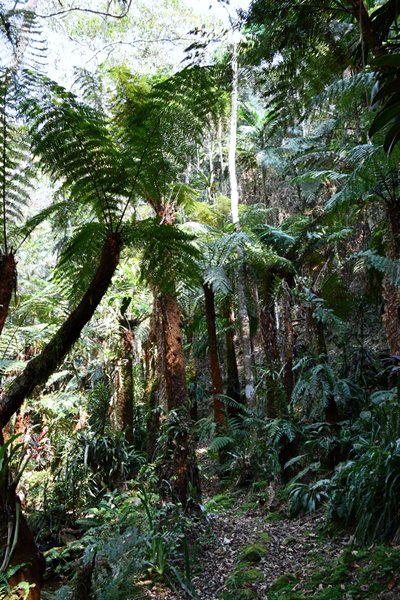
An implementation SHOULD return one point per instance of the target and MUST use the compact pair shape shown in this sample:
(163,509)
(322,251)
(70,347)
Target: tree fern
(388,267)
(15,170)
(75,146)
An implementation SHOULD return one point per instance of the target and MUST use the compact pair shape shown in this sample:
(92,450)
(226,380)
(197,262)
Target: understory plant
(365,490)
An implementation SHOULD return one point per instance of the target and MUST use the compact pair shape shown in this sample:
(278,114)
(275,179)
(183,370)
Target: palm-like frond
(75,146)
(15,170)
(159,123)
(167,253)
(373,175)
(79,258)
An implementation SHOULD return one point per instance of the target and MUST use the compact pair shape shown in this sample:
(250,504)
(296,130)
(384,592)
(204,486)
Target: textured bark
(216,377)
(286,338)
(391,294)
(8,283)
(232,373)
(245,338)
(123,400)
(180,467)
(244,322)
(174,373)
(39,369)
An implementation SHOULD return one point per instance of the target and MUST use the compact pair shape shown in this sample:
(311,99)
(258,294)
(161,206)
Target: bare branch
(100,13)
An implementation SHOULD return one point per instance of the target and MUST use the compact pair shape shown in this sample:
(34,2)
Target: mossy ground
(357,574)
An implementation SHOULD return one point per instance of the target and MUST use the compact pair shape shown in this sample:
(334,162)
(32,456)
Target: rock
(253,553)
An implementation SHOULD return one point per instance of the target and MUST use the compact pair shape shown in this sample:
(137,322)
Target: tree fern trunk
(179,466)
(391,294)
(216,377)
(8,282)
(232,373)
(39,369)
(123,401)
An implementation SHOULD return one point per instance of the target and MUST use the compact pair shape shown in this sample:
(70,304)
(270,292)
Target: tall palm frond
(75,146)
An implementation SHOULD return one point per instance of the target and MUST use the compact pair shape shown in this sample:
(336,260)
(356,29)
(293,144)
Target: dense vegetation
(207,314)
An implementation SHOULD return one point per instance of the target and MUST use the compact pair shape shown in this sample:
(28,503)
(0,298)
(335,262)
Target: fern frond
(15,162)
(166,254)
(78,260)
(388,267)
(75,146)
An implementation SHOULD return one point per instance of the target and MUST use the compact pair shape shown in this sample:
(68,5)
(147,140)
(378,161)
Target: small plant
(306,497)
(17,592)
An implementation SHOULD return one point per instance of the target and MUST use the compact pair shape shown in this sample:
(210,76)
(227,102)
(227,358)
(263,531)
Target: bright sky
(221,9)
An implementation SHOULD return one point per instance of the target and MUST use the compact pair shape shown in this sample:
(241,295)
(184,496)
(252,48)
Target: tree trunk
(180,466)
(244,322)
(216,377)
(123,401)
(232,373)
(39,369)
(286,338)
(391,294)
(276,406)
(8,283)
(368,33)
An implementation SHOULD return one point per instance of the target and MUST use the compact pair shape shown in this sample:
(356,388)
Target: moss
(253,553)
(265,538)
(284,581)
(247,506)
(220,502)
(239,584)
(274,516)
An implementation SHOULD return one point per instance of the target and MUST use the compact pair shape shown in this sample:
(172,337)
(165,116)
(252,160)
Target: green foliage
(15,161)
(365,489)
(317,386)
(307,497)
(166,251)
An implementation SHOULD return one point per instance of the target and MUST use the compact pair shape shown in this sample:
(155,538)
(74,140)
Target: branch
(100,13)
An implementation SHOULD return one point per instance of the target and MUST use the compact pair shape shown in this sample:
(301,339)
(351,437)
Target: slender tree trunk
(123,401)
(39,369)
(8,283)
(221,158)
(368,32)
(152,388)
(391,294)
(25,551)
(232,373)
(244,321)
(286,338)
(216,377)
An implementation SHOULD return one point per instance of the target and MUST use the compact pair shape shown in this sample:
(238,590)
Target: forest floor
(251,549)
(248,548)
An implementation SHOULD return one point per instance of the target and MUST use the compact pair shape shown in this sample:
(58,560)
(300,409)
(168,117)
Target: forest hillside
(199,300)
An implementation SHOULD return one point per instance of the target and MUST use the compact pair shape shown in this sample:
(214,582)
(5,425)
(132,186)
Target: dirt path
(288,550)
(288,544)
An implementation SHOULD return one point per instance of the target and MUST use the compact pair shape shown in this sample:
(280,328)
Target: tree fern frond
(166,253)
(15,163)
(216,277)
(75,147)
(79,258)
(388,267)
(345,90)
